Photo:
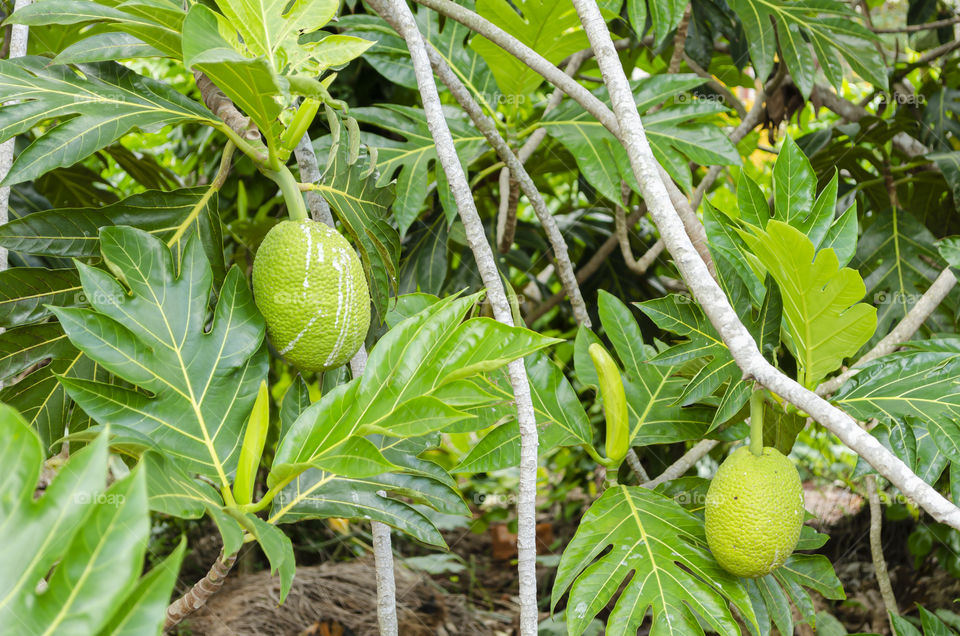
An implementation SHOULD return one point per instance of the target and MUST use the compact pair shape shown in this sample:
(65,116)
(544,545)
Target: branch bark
(515,169)
(876,550)
(200,593)
(853,112)
(382,543)
(221,106)
(682,465)
(310,173)
(927,26)
(680,43)
(712,298)
(483,254)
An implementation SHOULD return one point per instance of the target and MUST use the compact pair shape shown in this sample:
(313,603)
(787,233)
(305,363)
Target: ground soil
(338,597)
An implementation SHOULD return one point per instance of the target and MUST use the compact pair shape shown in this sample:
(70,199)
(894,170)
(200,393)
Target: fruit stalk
(290,190)
(756,422)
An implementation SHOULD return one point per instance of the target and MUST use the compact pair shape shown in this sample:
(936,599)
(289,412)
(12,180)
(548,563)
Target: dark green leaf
(202,385)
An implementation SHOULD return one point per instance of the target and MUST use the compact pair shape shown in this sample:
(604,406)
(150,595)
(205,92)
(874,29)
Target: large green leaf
(24,292)
(399,393)
(939,126)
(898,261)
(664,15)
(679,133)
(918,384)
(677,314)
(414,156)
(824,321)
(88,541)
(391,58)
(135,28)
(550,28)
(362,206)
(170,216)
(659,550)
(201,383)
(37,394)
(95,109)
(828,26)
(320,494)
(272,28)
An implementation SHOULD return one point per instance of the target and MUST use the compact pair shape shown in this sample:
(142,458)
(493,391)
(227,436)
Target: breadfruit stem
(756,422)
(290,189)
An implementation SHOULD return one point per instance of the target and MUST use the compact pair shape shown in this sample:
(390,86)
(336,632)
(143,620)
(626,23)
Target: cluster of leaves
(129,305)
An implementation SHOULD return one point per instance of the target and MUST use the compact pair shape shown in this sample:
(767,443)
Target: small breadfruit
(310,286)
(754,512)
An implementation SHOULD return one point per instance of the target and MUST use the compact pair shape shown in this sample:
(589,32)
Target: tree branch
(383,561)
(904,330)
(515,167)
(310,173)
(853,112)
(913,28)
(483,254)
(876,550)
(199,594)
(715,303)
(508,186)
(221,106)
(712,82)
(682,465)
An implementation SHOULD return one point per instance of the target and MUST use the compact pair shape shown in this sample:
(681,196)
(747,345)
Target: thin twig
(853,112)
(904,330)
(876,550)
(682,465)
(712,298)
(198,595)
(913,28)
(635,265)
(487,266)
(634,462)
(680,43)
(717,86)
(507,215)
(940,51)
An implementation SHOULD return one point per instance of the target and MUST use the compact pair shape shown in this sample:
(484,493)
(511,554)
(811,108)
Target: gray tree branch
(712,298)
(483,254)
